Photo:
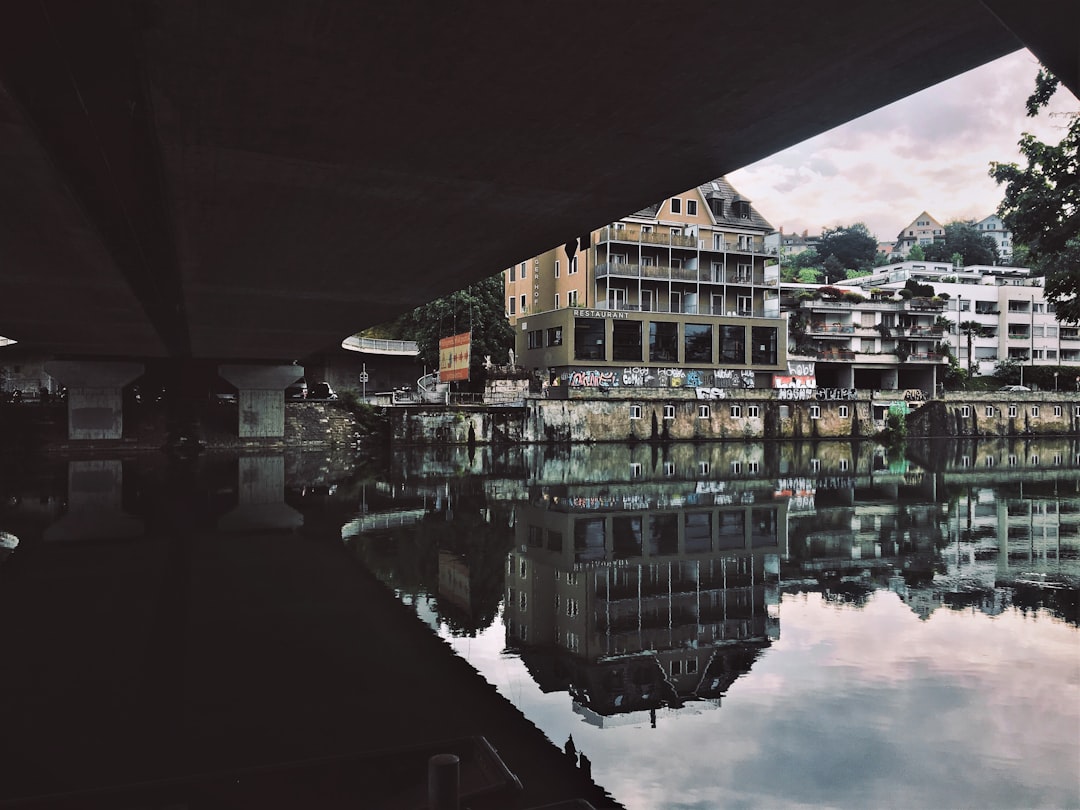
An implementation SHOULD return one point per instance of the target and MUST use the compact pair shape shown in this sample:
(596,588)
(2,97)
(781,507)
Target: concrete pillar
(262,397)
(94,504)
(261,487)
(95,404)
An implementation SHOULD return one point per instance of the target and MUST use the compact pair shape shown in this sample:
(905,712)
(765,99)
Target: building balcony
(654,271)
(635,236)
(846,355)
(835,328)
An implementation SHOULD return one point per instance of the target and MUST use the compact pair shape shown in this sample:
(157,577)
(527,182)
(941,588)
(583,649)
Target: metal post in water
(443,776)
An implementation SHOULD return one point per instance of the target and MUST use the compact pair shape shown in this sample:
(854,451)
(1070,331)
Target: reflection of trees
(1061,602)
(407,558)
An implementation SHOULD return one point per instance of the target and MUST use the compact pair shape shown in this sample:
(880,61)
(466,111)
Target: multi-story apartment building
(1015,321)
(923,230)
(984,314)
(688,283)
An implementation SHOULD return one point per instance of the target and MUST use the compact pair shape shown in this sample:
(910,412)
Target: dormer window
(716,205)
(742,209)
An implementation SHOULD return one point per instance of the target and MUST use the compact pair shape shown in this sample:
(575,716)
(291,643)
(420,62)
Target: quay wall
(732,415)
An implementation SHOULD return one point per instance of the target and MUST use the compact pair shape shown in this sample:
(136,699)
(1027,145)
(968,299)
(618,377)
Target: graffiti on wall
(837,394)
(795,394)
(645,377)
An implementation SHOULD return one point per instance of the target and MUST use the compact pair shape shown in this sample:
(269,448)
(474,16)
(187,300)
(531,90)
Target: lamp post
(1055,381)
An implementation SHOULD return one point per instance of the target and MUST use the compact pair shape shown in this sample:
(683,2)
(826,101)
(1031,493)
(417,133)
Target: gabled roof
(721,188)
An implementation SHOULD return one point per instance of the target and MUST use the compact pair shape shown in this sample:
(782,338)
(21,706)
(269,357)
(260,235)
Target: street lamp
(1055,381)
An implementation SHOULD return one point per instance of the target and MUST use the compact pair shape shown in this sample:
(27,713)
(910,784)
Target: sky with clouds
(930,151)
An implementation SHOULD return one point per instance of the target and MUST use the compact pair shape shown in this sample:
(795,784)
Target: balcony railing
(639,237)
(835,354)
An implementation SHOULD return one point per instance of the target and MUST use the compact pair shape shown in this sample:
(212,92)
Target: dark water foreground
(714,625)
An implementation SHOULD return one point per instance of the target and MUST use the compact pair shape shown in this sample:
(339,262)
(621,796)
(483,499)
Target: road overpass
(257,179)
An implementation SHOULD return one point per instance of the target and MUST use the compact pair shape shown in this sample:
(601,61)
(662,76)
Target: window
(573,266)
(536,339)
(635,411)
(843,465)
(523,303)
(965,461)
(753,467)
(635,469)
(676,205)
(571,298)
(1012,410)
(1034,410)
(513,305)
(1012,460)
(1034,461)
(764,345)
(1057,459)
(753,411)
(989,410)
(554,336)
(589,336)
(815,411)
(736,467)
(704,411)
(626,340)
(663,341)
(732,344)
(697,340)
(744,305)
(691,208)
(669,468)
(965,411)
(523,601)
(524,272)
(556,300)
(556,268)
(989,461)
(1057,410)
(1076,412)
(703,467)
(669,411)
(843,411)
(815,464)
(736,411)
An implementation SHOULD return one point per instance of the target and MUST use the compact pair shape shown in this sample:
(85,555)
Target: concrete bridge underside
(255,180)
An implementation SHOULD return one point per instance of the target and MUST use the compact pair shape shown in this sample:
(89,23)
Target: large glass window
(626,341)
(589,339)
(698,532)
(589,539)
(733,344)
(764,347)
(732,533)
(764,531)
(698,340)
(627,537)
(663,342)
(664,534)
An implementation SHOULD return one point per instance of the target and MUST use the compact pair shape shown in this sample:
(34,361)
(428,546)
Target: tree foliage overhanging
(1041,205)
(964,240)
(480,306)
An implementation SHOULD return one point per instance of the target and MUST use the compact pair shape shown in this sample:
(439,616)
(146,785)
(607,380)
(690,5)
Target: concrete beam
(262,397)
(95,405)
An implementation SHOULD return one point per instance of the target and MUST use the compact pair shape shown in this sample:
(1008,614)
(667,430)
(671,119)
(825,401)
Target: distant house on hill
(923,230)
(993,227)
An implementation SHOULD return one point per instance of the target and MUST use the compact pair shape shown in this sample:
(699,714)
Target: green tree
(853,246)
(965,240)
(1041,205)
(479,307)
(916,253)
(970,329)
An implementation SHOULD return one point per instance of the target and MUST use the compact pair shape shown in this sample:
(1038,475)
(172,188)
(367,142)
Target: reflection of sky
(851,707)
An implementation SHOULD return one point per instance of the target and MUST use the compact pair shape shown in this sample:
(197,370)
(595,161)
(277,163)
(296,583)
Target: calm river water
(714,625)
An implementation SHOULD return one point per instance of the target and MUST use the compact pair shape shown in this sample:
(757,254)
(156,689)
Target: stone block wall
(998,414)
(310,424)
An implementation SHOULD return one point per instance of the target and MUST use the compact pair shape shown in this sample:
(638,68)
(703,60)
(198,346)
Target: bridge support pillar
(94,401)
(261,497)
(262,397)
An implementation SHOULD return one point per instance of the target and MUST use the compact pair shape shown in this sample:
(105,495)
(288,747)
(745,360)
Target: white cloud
(931,151)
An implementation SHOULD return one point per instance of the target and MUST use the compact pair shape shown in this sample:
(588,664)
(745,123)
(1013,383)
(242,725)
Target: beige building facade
(686,285)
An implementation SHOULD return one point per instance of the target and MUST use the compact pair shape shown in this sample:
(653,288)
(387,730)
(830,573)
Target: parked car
(1014,388)
(298,390)
(321,390)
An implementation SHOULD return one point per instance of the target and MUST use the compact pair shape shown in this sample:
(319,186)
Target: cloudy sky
(930,151)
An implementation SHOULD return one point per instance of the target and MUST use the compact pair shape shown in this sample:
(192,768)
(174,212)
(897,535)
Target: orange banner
(454,356)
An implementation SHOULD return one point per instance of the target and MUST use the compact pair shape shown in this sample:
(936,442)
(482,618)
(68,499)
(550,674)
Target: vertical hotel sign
(454,356)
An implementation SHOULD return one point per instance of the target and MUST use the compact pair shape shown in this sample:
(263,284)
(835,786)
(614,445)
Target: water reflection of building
(639,599)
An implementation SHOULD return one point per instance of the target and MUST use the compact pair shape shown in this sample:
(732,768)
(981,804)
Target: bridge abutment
(94,395)
(261,397)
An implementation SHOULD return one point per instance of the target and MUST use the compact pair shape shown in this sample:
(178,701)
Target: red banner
(454,356)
